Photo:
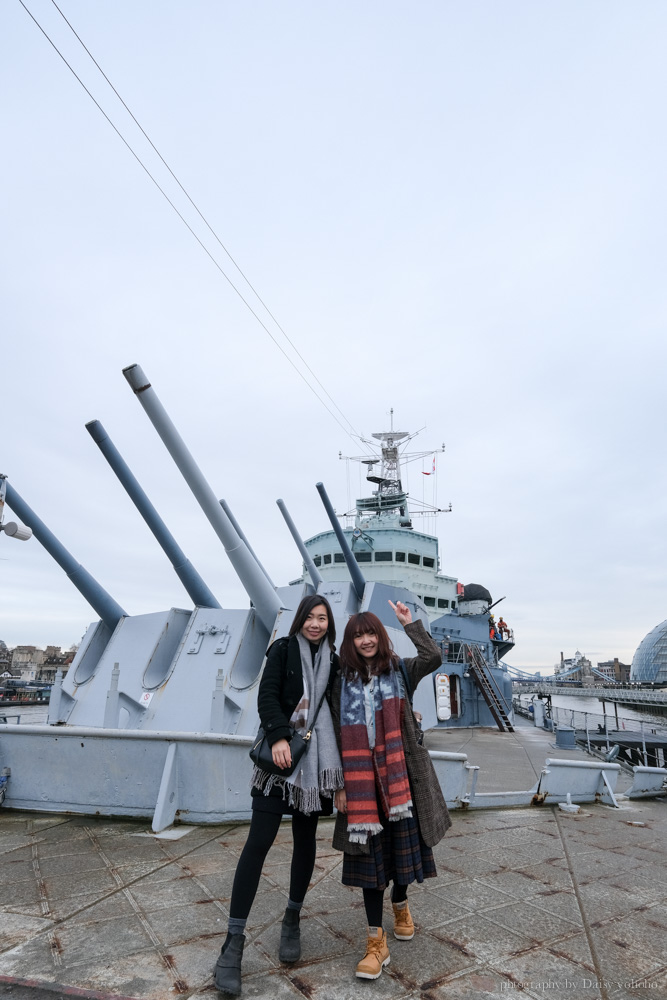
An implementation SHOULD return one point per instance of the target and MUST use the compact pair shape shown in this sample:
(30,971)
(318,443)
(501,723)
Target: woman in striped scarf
(391,812)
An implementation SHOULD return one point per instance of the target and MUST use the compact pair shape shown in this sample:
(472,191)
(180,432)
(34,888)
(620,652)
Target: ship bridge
(397,556)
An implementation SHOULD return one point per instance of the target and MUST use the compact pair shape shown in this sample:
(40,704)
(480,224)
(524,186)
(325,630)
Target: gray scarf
(319,771)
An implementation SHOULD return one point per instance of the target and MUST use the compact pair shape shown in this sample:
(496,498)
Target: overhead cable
(245,301)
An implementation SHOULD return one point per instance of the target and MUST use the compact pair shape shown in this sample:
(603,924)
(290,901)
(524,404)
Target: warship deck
(533,901)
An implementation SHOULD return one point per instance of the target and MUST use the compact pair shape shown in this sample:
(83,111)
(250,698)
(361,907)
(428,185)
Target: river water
(30,714)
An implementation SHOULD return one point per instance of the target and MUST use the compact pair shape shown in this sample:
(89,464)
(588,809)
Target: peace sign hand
(403,612)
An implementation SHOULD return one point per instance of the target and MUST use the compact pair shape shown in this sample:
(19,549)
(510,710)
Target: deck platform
(532,902)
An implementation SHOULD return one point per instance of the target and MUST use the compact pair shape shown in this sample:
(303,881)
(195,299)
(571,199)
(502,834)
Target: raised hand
(402,611)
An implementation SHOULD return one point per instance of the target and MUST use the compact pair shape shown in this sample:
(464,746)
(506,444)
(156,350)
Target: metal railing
(643,734)
(619,692)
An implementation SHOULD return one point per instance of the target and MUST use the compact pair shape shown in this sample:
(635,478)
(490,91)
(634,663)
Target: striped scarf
(378,774)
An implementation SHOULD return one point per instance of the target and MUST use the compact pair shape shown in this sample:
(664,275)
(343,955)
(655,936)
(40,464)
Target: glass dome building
(650,661)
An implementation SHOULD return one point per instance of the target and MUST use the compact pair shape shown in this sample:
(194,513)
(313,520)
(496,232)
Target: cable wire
(216,264)
(204,219)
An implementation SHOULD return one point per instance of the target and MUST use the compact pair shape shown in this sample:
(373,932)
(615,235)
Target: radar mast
(389,500)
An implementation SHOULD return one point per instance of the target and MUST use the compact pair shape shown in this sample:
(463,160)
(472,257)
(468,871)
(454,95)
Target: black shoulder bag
(260,752)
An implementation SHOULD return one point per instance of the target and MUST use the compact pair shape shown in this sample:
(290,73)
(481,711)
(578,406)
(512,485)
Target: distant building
(30,663)
(650,660)
(54,659)
(26,662)
(577,667)
(615,670)
(5,658)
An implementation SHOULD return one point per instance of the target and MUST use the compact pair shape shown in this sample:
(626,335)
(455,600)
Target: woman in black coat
(297,677)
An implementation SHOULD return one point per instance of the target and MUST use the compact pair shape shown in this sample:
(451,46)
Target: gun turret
(315,575)
(104,605)
(187,574)
(358,581)
(257,586)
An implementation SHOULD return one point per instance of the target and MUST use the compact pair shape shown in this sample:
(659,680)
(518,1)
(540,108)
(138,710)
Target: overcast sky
(453,209)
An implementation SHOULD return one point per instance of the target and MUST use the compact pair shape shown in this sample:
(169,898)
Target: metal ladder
(489,688)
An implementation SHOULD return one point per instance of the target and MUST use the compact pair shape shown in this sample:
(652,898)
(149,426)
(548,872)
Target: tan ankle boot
(404,928)
(376,957)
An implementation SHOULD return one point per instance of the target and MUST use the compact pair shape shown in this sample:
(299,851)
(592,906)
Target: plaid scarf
(378,774)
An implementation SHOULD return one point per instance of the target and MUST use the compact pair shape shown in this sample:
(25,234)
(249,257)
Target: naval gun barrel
(239,531)
(103,604)
(358,581)
(260,590)
(199,593)
(315,575)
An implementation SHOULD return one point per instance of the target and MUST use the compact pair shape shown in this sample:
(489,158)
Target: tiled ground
(530,902)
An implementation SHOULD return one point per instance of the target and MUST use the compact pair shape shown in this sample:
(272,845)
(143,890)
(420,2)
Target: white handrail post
(644,744)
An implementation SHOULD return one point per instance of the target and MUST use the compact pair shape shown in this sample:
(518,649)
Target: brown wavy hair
(304,609)
(352,664)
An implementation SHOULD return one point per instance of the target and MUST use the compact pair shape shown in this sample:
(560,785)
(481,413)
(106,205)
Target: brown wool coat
(429,805)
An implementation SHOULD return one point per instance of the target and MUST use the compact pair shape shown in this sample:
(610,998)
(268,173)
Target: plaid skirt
(397,854)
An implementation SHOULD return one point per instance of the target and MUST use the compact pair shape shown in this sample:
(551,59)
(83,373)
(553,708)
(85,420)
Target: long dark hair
(352,664)
(304,609)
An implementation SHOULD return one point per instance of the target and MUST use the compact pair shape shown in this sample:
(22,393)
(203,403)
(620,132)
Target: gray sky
(454,209)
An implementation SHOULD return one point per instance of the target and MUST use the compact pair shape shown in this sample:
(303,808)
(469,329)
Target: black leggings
(263,829)
(373,899)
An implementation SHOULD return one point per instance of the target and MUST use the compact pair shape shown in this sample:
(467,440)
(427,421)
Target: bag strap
(406,680)
(317,712)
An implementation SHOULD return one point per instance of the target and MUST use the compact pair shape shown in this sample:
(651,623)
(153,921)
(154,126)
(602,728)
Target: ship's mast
(389,497)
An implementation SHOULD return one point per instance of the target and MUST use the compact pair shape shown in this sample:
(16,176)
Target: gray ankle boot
(290,937)
(228,966)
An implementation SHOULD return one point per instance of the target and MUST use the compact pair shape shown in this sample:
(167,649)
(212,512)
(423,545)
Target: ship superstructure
(381,533)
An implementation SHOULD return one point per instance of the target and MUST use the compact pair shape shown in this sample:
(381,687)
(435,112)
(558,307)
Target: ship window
(339,557)
(443,603)
(317,560)
(429,602)
(383,557)
(400,557)
(427,561)
(327,558)
(413,558)
(363,556)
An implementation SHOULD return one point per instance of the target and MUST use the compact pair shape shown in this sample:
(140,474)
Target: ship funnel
(199,593)
(237,528)
(104,605)
(358,581)
(314,573)
(258,587)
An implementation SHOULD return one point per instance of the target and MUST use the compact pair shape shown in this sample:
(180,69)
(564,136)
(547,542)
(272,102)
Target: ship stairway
(492,694)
